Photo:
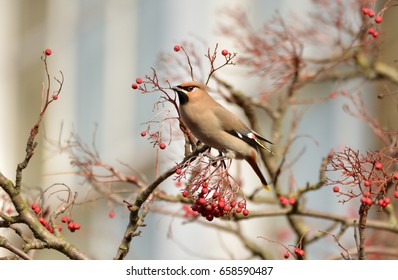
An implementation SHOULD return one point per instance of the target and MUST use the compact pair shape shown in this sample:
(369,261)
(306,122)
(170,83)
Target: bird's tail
(253,164)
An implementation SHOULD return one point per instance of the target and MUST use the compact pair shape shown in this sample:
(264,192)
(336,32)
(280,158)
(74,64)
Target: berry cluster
(285,201)
(72,226)
(138,81)
(211,204)
(155,137)
(371,189)
(378,19)
(36,208)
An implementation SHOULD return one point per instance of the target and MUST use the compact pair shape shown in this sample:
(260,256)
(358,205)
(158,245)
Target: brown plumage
(217,127)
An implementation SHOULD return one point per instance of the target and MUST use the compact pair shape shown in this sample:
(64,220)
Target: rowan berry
(162,146)
(365,11)
(48,51)
(224,52)
(177,48)
(286,255)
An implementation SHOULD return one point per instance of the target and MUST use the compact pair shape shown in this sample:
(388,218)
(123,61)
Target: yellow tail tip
(266,187)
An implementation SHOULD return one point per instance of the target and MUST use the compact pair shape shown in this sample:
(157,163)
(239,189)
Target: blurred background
(101,47)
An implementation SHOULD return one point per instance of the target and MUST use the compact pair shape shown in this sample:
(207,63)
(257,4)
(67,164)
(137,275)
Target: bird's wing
(234,126)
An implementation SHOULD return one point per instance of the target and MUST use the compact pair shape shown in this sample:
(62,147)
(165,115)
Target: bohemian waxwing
(217,127)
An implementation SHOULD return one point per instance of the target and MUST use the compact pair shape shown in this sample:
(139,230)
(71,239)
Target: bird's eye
(190,88)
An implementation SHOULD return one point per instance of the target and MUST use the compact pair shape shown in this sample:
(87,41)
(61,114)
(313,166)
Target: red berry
(292,201)
(34,206)
(367,194)
(205,190)
(286,255)
(177,48)
(241,204)
(366,183)
(138,81)
(42,221)
(227,208)
(111,214)
(387,200)
(245,212)
(59,227)
(371,31)
(221,204)
(64,219)
(378,19)
(284,201)
(238,210)
(371,13)
(224,52)
(375,34)
(9,211)
(143,133)
(395,176)
(378,166)
(178,184)
(55,96)
(333,94)
(48,51)
(344,92)
(233,204)
(365,11)
(299,252)
(368,201)
(364,199)
(134,86)
(76,226)
(216,213)
(396,194)
(37,210)
(185,194)
(162,146)
(209,217)
(71,226)
(215,195)
(336,189)
(202,200)
(178,171)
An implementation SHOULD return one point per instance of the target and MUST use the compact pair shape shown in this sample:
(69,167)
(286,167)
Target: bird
(217,127)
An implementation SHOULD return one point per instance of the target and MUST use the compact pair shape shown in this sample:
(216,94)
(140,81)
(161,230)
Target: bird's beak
(176,88)
(182,95)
